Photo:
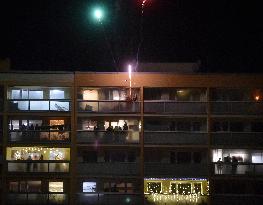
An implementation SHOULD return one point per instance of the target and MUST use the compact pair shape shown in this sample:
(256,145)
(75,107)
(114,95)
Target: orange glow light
(257,97)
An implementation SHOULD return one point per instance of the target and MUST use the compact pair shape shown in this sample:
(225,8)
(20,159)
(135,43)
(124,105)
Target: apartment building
(91,138)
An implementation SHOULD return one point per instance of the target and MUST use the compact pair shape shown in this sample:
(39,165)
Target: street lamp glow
(98,14)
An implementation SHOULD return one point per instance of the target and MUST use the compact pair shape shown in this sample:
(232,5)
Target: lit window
(184,189)
(57,94)
(55,187)
(154,187)
(173,188)
(35,94)
(89,186)
(197,187)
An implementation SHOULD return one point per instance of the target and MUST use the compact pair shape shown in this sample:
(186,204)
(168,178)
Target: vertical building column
(209,157)
(73,145)
(142,145)
(4,145)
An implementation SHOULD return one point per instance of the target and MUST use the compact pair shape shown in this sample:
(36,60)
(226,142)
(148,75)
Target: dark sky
(226,35)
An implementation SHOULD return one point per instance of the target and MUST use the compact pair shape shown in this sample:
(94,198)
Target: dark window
(196,126)
(236,127)
(172,157)
(89,156)
(257,126)
(183,157)
(184,126)
(197,157)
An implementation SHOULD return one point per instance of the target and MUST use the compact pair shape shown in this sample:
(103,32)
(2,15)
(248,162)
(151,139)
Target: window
(15,94)
(57,94)
(13,186)
(197,157)
(25,186)
(35,94)
(121,187)
(184,189)
(154,187)
(197,188)
(34,186)
(183,157)
(89,186)
(173,188)
(55,187)
(196,126)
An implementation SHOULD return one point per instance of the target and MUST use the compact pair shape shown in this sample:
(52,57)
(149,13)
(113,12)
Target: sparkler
(130,70)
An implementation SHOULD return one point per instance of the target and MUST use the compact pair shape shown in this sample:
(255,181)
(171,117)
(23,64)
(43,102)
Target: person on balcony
(234,165)
(219,166)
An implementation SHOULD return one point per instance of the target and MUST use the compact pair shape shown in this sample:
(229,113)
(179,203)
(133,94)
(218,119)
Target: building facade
(91,138)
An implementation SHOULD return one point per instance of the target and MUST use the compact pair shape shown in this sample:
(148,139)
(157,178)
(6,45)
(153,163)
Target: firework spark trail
(143,4)
(141,34)
(109,46)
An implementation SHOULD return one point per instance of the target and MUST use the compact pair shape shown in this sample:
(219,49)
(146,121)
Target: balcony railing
(241,168)
(175,107)
(237,108)
(112,168)
(238,138)
(153,169)
(1,105)
(237,199)
(38,166)
(108,106)
(39,105)
(37,198)
(173,138)
(39,136)
(107,137)
(109,198)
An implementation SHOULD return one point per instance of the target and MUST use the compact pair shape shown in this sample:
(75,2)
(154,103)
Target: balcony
(107,137)
(40,198)
(1,105)
(175,107)
(154,169)
(237,108)
(39,105)
(39,136)
(237,199)
(108,198)
(173,138)
(237,138)
(38,166)
(108,106)
(112,168)
(241,168)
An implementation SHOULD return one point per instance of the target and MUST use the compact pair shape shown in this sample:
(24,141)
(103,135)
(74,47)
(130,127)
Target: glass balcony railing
(107,137)
(172,137)
(175,107)
(237,108)
(236,199)
(109,106)
(238,138)
(109,198)
(38,166)
(39,105)
(158,169)
(37,198)
(241,168)
(39,136)
(113,168)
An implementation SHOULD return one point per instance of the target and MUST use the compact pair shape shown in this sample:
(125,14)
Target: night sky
(225,35)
